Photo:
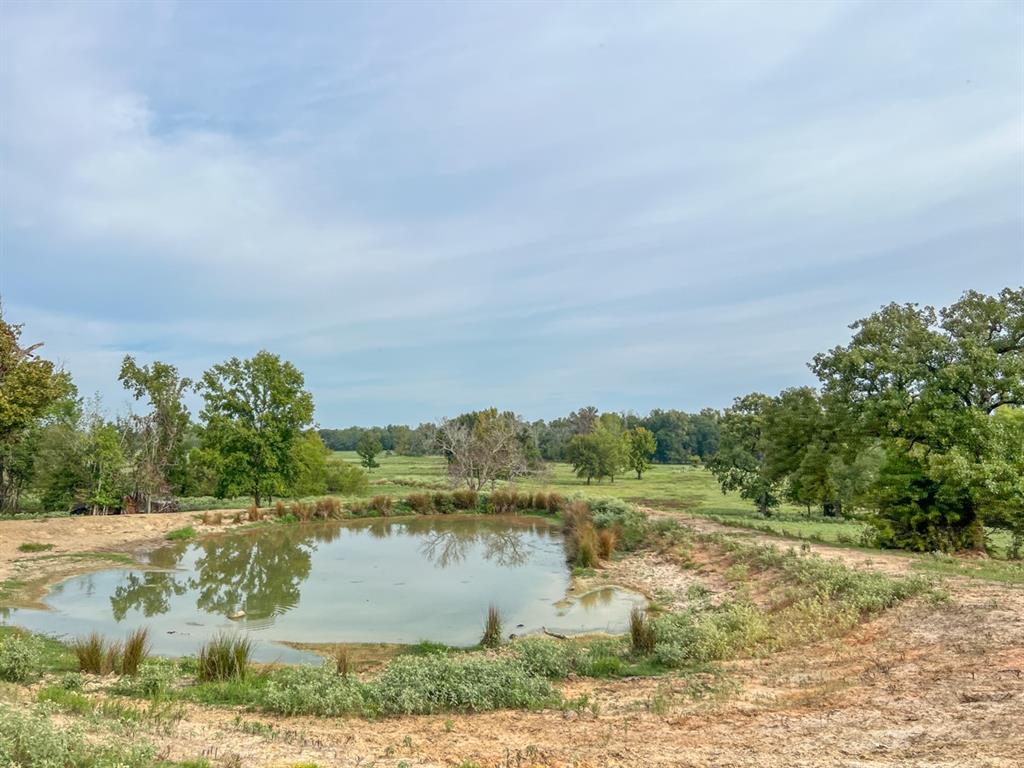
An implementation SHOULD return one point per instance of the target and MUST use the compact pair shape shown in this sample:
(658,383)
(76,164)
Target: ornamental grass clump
(420,503)
(224,657)
(641,632)
(492,628)
(95,654)
(135,651)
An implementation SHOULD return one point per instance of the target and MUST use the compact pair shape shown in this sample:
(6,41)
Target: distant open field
(665,487)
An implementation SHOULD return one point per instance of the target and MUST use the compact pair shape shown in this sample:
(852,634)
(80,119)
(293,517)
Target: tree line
(918,424)
(918,420)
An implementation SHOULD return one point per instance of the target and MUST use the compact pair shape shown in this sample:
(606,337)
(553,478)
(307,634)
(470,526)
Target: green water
(384,580)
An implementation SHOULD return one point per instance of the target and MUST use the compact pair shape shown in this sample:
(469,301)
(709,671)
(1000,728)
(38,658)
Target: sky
(436,207)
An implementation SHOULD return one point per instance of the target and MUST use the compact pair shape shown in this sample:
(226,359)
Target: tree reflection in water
(503,545)
(259,573)
(262,572)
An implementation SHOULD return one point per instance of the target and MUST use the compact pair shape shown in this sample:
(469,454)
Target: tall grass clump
(606,541)
(581,544)
(212,518)
(342,661)
(254,514)
(224,657)
(491,637)
(382,505)
(420,503)
(503,501)
(301,512)
(95,654)
(280,509)
(555,502)
(21,658)
(642,638)
(135,651)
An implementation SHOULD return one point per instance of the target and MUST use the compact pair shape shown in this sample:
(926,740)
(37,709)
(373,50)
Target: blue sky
(432,207)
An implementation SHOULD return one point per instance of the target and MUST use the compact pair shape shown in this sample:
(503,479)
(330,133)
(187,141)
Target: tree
(640,446)
(254,411)
(29,388)
(484,447)
(310,455)
(740,462)
(158,447)
(601,452)
(368,447)
(925,386)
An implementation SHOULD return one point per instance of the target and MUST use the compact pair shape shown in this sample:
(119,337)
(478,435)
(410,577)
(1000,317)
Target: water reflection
(262,572)
(380,580)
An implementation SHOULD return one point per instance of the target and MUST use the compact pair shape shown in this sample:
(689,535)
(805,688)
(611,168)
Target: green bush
(626,520)
(313,691)
(29,739)
(21,658)
(346,478)
(441,683)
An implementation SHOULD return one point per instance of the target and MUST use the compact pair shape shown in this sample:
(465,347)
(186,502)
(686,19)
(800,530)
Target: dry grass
(641,632)
(135,651)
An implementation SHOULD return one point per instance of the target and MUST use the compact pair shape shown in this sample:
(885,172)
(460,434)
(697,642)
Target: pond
(397,580)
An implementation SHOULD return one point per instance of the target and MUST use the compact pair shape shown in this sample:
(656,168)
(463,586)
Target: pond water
(397,580)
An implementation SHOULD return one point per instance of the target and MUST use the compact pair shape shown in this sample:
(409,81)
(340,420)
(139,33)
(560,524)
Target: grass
(34,546)
(225,658)
(181,534)
(492,628)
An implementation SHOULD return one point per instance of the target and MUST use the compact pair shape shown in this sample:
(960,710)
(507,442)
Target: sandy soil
(924,685)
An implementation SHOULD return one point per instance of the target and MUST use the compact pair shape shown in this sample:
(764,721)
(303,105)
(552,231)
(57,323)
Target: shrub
(314,691)
(382,505)
(96,655)
(641,632)
(546,658)
(492,628)
(182,534)
(135,651)
(443,503)
(21,658)
(346,478)
(224,657)
(420,503)
(31,739)
(465,498)
(153,680)
(441,683)
(629,523)
(72,681)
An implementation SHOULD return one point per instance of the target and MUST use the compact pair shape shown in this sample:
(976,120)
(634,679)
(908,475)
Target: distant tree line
(918,419)
(918,422)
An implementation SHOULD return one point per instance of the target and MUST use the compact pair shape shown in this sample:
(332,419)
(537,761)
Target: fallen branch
(553,634)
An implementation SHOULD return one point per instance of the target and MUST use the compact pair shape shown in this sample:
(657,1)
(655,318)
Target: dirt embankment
(77,545)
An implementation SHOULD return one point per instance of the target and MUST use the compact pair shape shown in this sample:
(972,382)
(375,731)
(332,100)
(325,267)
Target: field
(772,642)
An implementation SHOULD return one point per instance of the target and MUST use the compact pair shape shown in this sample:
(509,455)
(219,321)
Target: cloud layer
(433,207)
